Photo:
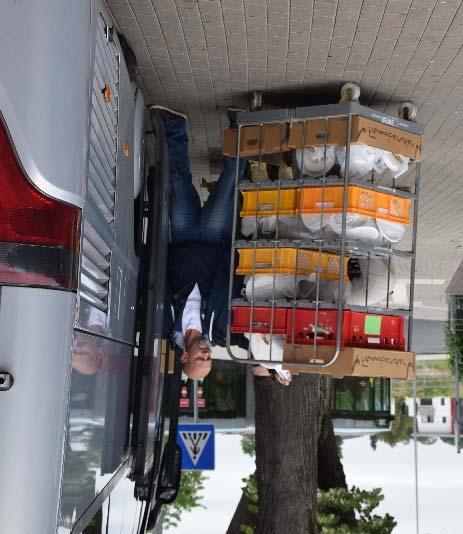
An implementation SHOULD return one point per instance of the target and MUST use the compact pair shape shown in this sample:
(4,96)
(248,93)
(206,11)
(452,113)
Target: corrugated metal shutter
(101,183)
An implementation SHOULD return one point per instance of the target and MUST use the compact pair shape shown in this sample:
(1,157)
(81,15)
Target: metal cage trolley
(324,232)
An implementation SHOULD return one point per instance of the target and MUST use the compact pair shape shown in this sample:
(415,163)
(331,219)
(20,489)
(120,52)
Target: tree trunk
(327,469)
(330,469)
(288,426)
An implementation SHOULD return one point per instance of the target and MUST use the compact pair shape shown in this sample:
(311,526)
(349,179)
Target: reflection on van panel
(97,429)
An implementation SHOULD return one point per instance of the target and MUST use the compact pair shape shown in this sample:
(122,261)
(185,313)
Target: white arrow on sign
(194,443)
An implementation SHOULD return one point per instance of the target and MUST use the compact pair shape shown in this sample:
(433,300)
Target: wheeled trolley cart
(326,241)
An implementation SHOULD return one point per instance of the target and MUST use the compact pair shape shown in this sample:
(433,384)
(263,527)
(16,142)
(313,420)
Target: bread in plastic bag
(262,286)
(360,229)
(364,159)
(361,159)
(289,227)
(391,232)
(377,275)
(288,286)
(396,163)
(311,161)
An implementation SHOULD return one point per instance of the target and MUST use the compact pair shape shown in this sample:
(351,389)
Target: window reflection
(362,398)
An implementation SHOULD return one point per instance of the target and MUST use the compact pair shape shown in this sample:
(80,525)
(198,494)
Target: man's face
(197,358)
(84,356)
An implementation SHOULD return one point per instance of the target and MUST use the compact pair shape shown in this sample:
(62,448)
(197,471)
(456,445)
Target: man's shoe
(168,110)
(235,108)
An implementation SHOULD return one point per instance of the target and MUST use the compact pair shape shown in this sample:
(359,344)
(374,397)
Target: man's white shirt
(191,318)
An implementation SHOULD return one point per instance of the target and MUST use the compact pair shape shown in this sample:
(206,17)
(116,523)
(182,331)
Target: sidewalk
(429,357)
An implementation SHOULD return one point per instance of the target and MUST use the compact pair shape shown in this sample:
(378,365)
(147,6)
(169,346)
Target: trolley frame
(305,115)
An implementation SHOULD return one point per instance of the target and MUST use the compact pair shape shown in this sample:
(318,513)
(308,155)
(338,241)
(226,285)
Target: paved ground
(202,55)
(431,357)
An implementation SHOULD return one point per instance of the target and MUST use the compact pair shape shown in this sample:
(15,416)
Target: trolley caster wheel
(255,103)
(350,92)
(408,111)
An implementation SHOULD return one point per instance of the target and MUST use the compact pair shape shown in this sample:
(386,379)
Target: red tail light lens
(39,236)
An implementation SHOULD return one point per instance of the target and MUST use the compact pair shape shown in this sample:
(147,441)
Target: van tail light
(39,236)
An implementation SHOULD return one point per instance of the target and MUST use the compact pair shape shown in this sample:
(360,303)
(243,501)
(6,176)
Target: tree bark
(306,442)
(330,469)
(288,426)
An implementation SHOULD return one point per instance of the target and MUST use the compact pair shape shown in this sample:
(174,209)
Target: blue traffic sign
(198,447)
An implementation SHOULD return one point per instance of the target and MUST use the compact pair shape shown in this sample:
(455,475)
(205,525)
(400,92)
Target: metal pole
(415,454)
(345,197)
(195,401)
(409,337)
(454,330)
(413,260)
(457,400)
(232,255)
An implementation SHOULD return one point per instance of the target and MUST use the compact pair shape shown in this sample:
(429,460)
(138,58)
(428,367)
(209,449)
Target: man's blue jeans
(213,223)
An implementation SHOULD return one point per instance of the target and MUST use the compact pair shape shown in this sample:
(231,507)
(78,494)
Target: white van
(78,416)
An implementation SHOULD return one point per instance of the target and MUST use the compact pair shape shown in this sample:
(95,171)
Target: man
(198,262)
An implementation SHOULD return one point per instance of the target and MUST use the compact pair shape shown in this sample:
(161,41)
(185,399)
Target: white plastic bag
(364,159)
(289,227)
(377,275)
(379,166)
(396,163)
(329,291)
(286,286)
(361,161)
(266,347)
(359,228)
(248,225)
(311,161)
(261,346)
(391,232)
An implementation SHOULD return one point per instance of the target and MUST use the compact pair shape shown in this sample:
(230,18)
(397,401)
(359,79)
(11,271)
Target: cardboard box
(364,131)
(352,361)
(266,139)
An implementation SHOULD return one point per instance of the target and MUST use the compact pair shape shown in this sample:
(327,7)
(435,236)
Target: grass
(434,379)
(433,364)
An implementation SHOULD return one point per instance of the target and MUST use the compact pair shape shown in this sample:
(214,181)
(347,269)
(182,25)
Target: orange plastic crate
(289,261)
(265,202)
(360,200)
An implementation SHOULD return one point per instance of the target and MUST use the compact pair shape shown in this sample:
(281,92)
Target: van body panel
(113,238)
(138,144)
(65,421)
(125,263)
(45,104)
(35,334)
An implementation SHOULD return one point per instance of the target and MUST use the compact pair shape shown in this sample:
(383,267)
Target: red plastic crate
(381,331)
(360,329)
(304,326)
(261,320)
